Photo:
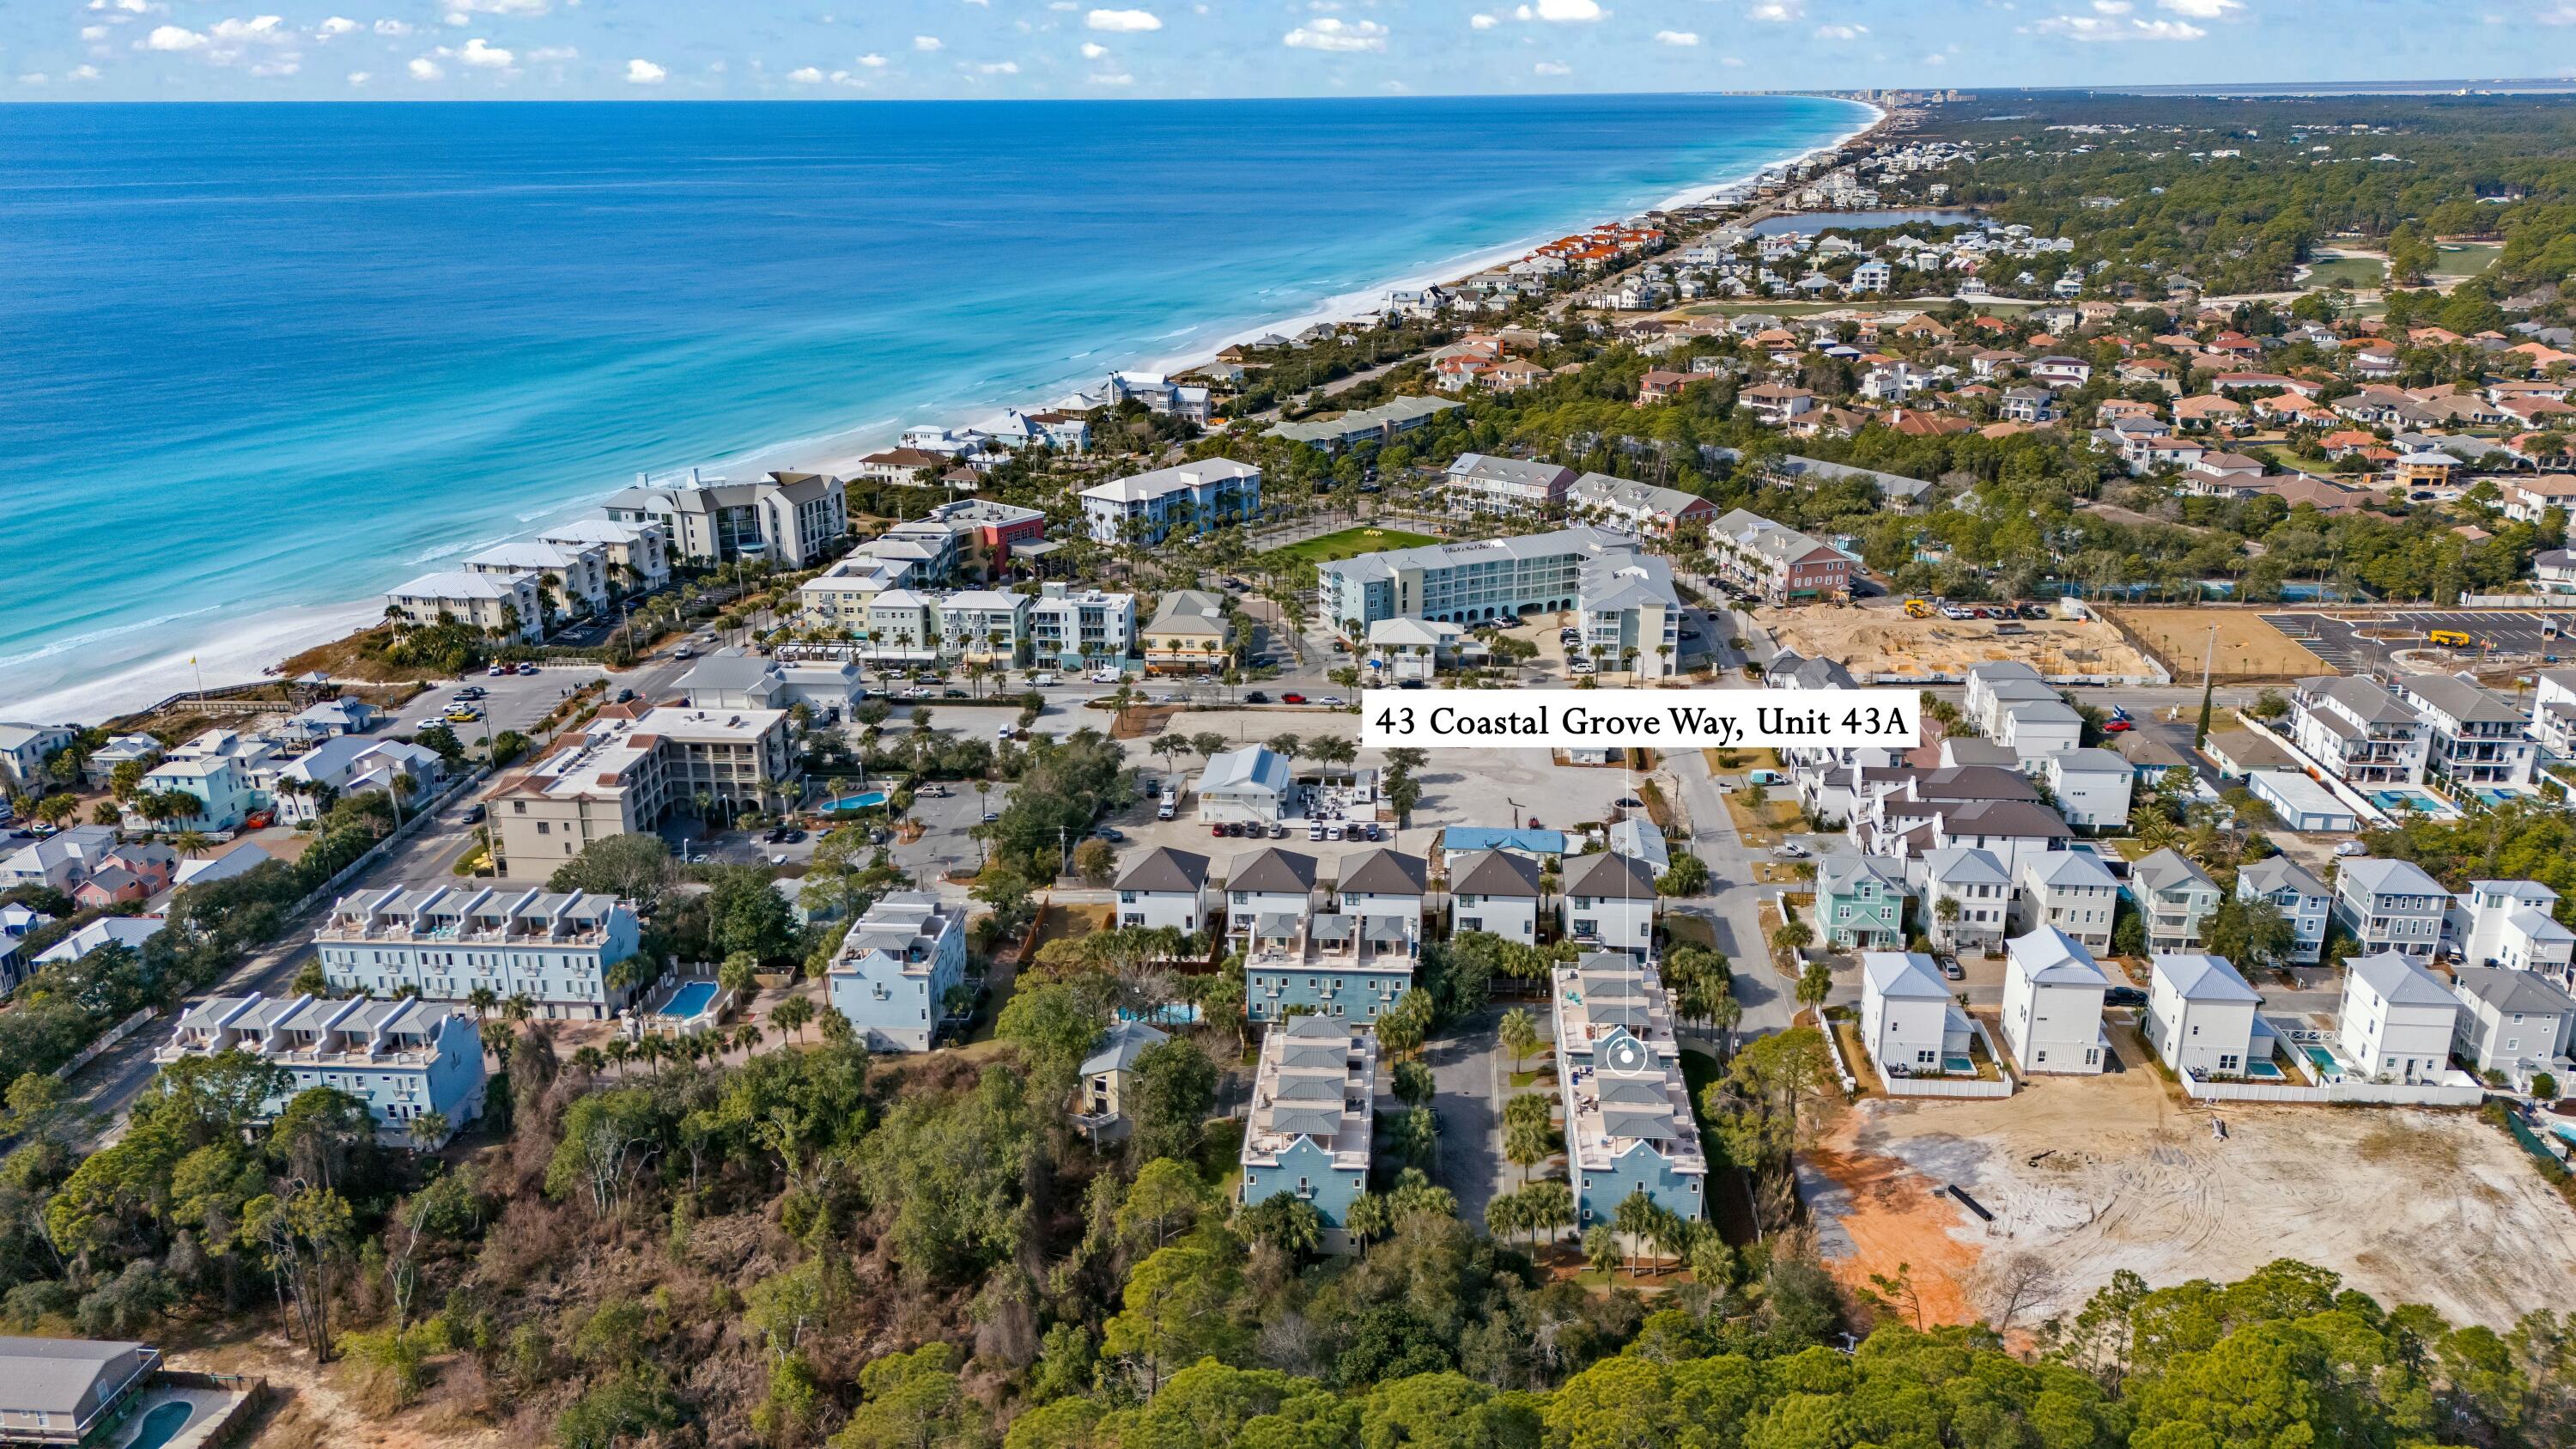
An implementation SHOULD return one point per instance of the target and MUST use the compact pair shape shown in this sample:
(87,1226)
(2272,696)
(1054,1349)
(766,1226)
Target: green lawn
(1349,543)
(2352,273)
(2465,259)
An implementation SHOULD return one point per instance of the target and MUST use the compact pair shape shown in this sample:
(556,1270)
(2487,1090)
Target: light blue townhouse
(1313,1110)
(894,970)
(1860,902)
(555,948)
(1628,1122)
(405,1059)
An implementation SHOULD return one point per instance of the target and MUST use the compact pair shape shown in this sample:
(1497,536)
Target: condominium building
(1188,633)
(1469,582)
(1314,1099)
(638,554)
(445,942)
(2361,733)
(1073,628)
(1335,964)
(790,519)
(2473,739)
(983,626)
(505,606)
(1146,508)
(574,575)
(1505,487)
(1780,564)
(1629,616)
(629,771)
(1628,1122)
(404,1059)
(895,969)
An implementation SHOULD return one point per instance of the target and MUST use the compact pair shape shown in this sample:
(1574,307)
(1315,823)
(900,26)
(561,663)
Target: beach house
(1629,1128)
(1908,1023)
(2200,1017)
(2301,899)
(2176,897)
(2362,734)
(1268,883)
(1497,892)
(2396,1020)
(2512,924)
(1384,885)
(1314,1096)
(1610,902)
(895,972)
(1166,888)
(2391,905)
(1860,902)
(1970,898)
(570,954)
(417,1065)
(2516,1023)
(1188,633)
(1108,1077)
(2070,891)
(2052,1007)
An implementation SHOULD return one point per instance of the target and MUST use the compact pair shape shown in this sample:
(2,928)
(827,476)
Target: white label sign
(1672,719)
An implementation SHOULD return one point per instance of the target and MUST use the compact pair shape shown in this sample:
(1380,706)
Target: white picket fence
(2383,1094)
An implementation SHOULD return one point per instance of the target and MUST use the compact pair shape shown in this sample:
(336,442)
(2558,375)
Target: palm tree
(482,999)
(590,1059)
(617,1051)
(793,1015)
(428,1130)
(1519,1034)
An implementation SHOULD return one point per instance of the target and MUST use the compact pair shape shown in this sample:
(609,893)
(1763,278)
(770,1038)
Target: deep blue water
(255,359)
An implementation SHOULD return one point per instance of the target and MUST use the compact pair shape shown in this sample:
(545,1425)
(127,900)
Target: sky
(1023,49)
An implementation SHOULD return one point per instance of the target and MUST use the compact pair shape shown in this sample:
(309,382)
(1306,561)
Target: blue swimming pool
(2263,1071)
(690,1000)
(161,1425)
(868,801)
(2323,1060)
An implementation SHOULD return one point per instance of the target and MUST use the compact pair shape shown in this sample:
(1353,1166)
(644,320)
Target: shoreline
(251,649)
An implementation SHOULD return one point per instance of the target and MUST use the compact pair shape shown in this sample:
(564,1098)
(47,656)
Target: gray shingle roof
(1166,869)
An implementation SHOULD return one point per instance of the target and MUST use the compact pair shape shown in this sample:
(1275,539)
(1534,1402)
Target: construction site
(1885,641)
(2245,648)
(2023,1207)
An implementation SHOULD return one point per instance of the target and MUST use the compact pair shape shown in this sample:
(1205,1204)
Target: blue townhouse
(1628,1122)
(893,973)
(405,1059)
(1313,1109)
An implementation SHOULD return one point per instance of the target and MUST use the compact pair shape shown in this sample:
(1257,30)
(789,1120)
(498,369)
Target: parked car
(473,815)
(472,691)
(2124,996)
(2117,726)
(497,670)
(1292,699)
(2351,848)
(1331,701)
(1950,967)
(1790,850)
(1110,833)
(528,666)
(1256,697)
(991,816)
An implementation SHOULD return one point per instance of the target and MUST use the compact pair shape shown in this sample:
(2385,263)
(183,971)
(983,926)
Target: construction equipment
(1918,608)
(2449,638)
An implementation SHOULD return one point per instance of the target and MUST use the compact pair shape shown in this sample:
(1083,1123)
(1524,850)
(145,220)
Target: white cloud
(644,73)
(33,78)
(1569,12)
(999,67)
(126,7)
(485,56)
(873,62)
(928,42)
(93,32)
(392,27)
(1482,22)
(360,77)
(1123,20)
(1936,58)
(1777,12)
(1841,32)
(2112,7)
(499,7)
(2098,29)
(173,37)
(2201,9)
(806,76)
(1093,50)
(286,65)
(258,30)
(84,72)
(423,68)
(1329,33)
(1549,67)
(549,54)
(336,25)
(1676,37)
(1121,78)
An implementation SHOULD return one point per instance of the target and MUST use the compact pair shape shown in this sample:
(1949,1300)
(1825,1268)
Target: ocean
(263,361)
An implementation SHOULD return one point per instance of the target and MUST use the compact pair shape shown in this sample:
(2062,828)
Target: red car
(2114,727)
(1292,699)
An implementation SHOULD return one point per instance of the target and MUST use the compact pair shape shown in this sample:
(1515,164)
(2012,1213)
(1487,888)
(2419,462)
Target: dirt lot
(2097,1174)
(2248,648)
(1885,641)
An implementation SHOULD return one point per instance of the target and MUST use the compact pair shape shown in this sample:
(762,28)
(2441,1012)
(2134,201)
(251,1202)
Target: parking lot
(2497,633)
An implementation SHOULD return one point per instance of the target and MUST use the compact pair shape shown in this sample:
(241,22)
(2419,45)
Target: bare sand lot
(2091,1175)
(1885,641)
(2248,648)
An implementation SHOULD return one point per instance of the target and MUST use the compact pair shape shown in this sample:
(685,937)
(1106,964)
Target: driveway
(1468,1072)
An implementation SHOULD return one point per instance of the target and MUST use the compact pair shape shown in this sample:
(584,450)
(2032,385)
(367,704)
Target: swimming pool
(162,1424)
(2322,1059)
(868,801)
(690,1000)
(2263,1071)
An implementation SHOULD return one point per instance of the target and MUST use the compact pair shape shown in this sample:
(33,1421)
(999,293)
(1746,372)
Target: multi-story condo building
(1780,564)
(790,519)
(575,575)
(730,679)
(2301,899)
(2176,897)
(2396,1019)
(561,952)
(1628,1122)
(1496,892)
(1145,508)
(1629,616)
(504,606)
(2053,1004)
(984,626)
(630,771)
(1189,633)
(1072,629)
(1610,902)
(1642,506)
(2512,925)
(2473,739)
(638,554)
(2070,891)
(2391,905)
(1167,888)
(1314,1099)
(1465,583)
(1505,487)
(2362,734)
(404,1059)
(1334,964)
(895,969)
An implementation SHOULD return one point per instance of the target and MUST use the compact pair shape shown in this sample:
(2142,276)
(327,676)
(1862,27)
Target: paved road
(1769,1000)
(1469,1073)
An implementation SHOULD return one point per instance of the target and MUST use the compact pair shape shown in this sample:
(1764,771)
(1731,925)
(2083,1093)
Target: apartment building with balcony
(1070,628)
(1146,508)
(1628,1122)
(630,770)
(404,1059)
(2391,905)
(1466,582)
(2362,734)
(1314,1099)
(1505,487)
(2473,739)
(560,951)
(790,519)
(1349,968)
(892,975)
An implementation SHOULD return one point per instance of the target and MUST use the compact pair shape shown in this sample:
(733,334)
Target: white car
(2351,848)
(1790,850)
(1331,701)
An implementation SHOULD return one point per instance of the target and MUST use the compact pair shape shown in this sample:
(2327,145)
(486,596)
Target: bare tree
(2018,1282)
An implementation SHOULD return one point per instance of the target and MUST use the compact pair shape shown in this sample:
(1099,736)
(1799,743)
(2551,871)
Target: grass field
(2353,273)
(2248,648)
(2465,259)
(1349,543)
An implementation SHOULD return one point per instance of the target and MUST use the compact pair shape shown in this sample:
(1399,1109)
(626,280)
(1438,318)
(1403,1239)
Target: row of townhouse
(1778,564)
(1629,1126)
(561,951)
(2437,727)
(965,541)
(417,1066)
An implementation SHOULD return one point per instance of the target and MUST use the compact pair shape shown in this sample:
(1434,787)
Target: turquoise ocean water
(259,362)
